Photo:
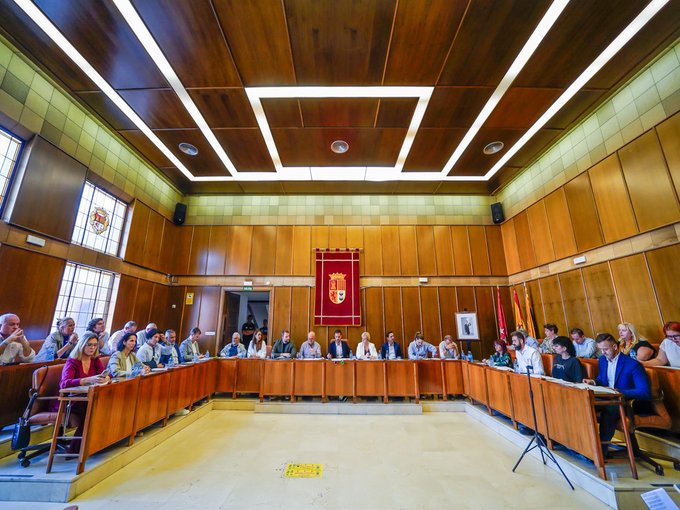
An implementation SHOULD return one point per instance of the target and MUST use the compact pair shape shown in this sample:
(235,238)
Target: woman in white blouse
(122,361)
(366,349)
(257,347)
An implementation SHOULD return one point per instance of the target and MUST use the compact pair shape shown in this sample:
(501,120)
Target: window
(85,293)
(10,146)
(100,219)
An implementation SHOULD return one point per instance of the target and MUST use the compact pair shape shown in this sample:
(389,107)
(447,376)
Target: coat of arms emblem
(99,220)
(337,287)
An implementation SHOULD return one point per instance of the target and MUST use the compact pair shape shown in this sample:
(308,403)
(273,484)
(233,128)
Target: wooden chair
(547,360)
(46,384)
(658,418)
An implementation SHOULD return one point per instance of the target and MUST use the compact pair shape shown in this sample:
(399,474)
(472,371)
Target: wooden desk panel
(498,387)
(453,377)
(521,403)
(430,377)
(571,420)
(340,378)
(308,378)
(248,375)
(402,379)
(111,414)
(152,400)
(226,373)
(277,378)
(181,388)
(206,379)
(478,389)
(370,378)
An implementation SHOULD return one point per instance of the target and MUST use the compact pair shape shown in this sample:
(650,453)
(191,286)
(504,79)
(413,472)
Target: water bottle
(136,369)
(470,357)
(171,362)
(207,354)
(491,363)
(516,366)
(351,355)
(195,358)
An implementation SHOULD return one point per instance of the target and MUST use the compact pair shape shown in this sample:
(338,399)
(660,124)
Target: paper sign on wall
(189,300)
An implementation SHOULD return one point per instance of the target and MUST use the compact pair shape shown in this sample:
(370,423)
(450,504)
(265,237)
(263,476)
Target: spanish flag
(502,327)
(519,320)
(531,320)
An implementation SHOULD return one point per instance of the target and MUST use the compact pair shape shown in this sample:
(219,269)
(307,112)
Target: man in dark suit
(622,373)
(338,348)
(390,349)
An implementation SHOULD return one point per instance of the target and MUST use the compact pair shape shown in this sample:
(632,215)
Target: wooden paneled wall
(29,287)
(408,250)
(637,289)
(634,190)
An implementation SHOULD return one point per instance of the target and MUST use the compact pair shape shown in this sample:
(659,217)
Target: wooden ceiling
(218,48)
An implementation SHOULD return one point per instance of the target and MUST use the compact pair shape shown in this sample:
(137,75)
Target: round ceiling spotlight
(493,148)
(188,149)
(339,146)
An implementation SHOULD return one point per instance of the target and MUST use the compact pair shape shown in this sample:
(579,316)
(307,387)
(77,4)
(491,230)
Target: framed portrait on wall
(466,324)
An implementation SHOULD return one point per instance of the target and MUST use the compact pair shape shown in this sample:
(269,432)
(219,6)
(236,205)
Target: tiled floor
(231,459)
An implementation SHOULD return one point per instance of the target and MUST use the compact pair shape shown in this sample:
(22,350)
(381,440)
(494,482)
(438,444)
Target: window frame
(12,173)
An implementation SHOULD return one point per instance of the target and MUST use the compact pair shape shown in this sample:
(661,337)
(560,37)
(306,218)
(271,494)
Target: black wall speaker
(496,213)
(181,214)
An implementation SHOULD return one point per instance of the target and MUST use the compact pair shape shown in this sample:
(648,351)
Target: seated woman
(633,345)
(500,358)
(366,348)
(566,365)
(669,350)
(83,368)
(124,359)
(258,346)
(60,343)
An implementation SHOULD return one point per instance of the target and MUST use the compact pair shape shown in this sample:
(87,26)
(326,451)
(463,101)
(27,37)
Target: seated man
(171,350)
(248,330)
(448,348)
(338,348)
(419,348)
(625,375)
(311,348)
(526,356)
(150,353)
(283,347)
(14,348)
(585,347)
(112,344)
(234,349)
(390,349)
(141,335)
(190,348)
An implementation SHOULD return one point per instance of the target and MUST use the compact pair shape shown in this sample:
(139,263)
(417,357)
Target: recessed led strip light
(619,42)
(539,33)
(423,94)
(151,46)
(57,37)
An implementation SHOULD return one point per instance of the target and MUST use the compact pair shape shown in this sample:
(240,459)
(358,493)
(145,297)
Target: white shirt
(113,340)
(391,352)
(611,370)
(146,353)
(14,351)
(371,351)
(672,351)
(529,356)
(262,353)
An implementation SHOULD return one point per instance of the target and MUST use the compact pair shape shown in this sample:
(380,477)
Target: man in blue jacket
(622,373)
(390,349)
(338,348)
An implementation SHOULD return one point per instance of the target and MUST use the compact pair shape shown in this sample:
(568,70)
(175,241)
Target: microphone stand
(537,441)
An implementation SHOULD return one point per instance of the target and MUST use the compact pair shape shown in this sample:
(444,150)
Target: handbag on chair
(21,435)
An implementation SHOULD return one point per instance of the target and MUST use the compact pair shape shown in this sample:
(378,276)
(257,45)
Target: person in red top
(83,368)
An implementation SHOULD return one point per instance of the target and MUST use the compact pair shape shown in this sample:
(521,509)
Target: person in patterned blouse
(500,358)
